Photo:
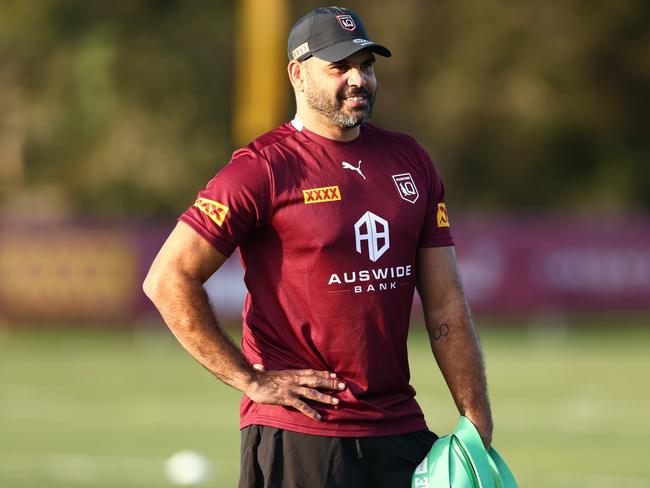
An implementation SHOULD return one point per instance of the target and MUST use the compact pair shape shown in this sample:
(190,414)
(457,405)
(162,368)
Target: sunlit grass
(86,408)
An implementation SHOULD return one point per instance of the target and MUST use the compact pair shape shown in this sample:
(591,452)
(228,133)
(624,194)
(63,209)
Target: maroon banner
(55,272)
(531,265)
(93,271)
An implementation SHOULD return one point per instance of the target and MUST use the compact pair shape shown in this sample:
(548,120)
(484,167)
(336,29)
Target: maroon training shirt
(328,233)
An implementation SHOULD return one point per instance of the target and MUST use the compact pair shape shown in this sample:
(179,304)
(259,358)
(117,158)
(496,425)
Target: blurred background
(114,114)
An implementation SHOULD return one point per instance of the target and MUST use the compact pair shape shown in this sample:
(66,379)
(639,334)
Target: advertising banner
(93,272)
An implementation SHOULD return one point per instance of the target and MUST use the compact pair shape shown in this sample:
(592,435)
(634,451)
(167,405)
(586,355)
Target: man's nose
(356,77)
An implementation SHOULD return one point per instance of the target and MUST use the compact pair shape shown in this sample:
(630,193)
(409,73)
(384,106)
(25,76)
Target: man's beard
(331,106)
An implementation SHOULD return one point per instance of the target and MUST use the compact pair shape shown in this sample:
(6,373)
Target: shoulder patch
(215,210)
(443,218)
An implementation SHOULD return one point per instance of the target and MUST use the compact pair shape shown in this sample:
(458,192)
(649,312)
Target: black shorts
(277,458)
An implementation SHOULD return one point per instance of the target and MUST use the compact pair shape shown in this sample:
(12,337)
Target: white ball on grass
(187,468)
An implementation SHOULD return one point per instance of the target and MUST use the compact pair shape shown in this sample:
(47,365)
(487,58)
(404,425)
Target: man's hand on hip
(291,387)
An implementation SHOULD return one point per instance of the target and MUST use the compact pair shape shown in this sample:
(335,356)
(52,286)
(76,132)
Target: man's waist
(346,419)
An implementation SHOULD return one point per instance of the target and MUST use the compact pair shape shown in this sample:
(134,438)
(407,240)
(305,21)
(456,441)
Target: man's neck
(315,123)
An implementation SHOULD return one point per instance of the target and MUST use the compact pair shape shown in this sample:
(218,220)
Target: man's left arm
(452,336)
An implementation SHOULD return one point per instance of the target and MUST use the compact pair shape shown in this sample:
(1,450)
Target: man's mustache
(357,92)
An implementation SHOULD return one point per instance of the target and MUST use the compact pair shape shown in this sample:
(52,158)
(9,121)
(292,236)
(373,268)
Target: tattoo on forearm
(440,331)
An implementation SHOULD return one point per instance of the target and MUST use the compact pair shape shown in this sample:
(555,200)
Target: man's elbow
(152,284)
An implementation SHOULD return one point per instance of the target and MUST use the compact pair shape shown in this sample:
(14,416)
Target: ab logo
(374,231)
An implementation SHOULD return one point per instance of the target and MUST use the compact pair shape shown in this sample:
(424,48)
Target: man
(336,221)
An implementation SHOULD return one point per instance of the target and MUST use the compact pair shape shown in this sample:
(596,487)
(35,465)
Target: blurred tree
(125,107)
(525,106)
(129,102)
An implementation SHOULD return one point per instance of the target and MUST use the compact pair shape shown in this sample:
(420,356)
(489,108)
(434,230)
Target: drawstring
(357,442)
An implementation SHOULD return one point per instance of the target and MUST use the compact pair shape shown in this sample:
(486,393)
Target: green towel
(459,460)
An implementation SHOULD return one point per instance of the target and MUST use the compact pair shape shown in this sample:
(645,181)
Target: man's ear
(297,74)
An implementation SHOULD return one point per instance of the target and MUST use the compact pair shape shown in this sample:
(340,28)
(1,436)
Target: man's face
(344,91)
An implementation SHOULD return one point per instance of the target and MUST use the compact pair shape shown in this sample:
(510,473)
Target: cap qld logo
(406,187)
(373,230)
(347,22)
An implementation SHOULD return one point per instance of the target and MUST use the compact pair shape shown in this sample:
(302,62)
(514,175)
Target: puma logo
(357,168)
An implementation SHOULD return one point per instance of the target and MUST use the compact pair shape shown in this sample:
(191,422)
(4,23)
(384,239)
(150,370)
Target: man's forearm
(175,285)
(184,306)
(457,350)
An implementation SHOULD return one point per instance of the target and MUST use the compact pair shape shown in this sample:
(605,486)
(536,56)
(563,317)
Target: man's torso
(330,269)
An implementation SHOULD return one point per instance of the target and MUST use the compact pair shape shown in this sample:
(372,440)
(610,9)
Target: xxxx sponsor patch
(215,210)
(443,218)
(320,195)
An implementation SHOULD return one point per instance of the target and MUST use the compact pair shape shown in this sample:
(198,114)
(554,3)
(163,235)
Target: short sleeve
(233,204)
(436,228)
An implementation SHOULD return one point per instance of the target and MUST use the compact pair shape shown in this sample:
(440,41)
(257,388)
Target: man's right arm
(175,285)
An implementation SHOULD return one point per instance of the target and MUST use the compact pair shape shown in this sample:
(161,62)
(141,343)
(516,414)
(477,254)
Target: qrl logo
(373,230)
(347,22)
(406,187)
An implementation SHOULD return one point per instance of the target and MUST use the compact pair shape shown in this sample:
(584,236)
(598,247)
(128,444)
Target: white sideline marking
(82,468)
(96,469)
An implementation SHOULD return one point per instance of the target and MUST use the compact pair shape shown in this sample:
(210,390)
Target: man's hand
(289,387)
(484,427)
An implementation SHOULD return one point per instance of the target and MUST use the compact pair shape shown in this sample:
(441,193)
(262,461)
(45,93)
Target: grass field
(100,408)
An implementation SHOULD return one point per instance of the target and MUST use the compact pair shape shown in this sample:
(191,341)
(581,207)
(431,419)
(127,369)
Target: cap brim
(342,50)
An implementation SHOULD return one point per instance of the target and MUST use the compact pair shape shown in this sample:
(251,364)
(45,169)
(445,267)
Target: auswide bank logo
(372,230)
(372,237)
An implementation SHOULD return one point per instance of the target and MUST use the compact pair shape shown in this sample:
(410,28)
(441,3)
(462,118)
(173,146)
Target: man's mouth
(357,100)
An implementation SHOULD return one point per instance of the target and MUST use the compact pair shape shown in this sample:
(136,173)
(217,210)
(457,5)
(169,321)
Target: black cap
(331,34)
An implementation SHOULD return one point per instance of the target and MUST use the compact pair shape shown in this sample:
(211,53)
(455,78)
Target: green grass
(105,408)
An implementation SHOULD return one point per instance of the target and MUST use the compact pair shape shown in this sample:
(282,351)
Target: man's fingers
(315,372)
(306,409)
(319,382)
(308,377)
(317,396)
(318,379)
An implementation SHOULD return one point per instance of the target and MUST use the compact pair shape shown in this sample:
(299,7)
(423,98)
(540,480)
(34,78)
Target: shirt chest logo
(356,168)
(373,230)
(323,194)
(406,187)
